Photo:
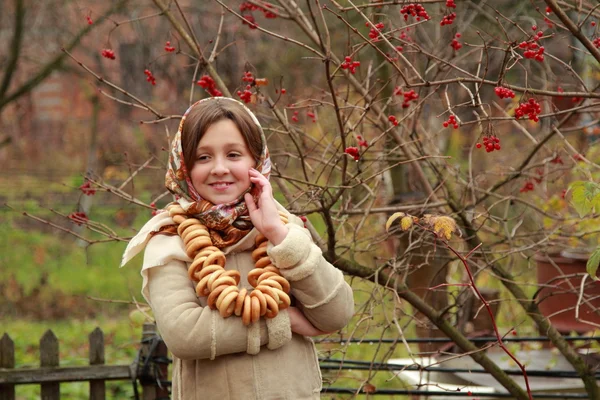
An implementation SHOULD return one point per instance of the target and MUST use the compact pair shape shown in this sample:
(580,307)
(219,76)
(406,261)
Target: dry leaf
(406,223)
(443,226)
(391,220)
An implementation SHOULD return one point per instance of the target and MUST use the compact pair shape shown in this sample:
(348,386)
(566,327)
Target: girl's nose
(219,167)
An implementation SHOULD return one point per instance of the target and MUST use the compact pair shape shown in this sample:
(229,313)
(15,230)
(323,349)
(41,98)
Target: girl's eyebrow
(227,146)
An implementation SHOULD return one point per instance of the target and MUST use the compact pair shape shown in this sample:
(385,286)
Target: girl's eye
(234,155)
(202,158)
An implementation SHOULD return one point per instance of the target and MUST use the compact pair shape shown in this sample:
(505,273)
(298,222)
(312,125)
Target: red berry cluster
(246,95)
(415,10)
(249,20)
(361,141)
(451,121)
(374,32)
(248,77)
(393,120)
(527,187)
(168,47)
(409,96)
(557,160)
(353,152)
(450,4)
(208,83)
(89,20)
(549,23)
(404,35)
(86,188)
(448,19)
(548,10)
(154,210)
(149,77)
(504,93)
(349,64)
(295,116)
(531,108)
(312,116)
(456,45)
(491,143)
(78,217)
(596,42)
(108,53)
(247,6)
(532,49)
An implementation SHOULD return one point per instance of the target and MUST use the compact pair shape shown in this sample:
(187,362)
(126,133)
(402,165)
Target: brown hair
(209,112)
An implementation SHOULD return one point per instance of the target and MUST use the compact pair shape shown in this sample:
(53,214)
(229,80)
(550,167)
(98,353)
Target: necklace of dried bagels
(270,293)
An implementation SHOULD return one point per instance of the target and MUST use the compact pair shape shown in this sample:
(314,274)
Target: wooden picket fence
(151,375)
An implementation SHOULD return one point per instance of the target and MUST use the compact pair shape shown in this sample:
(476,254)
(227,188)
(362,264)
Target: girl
(234,280)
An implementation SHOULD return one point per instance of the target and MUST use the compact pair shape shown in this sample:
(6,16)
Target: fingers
(259,179)
(250,203)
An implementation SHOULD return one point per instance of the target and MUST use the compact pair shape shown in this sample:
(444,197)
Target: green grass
(121,343)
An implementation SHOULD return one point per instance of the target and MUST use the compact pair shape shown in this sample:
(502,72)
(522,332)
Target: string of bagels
(270,293)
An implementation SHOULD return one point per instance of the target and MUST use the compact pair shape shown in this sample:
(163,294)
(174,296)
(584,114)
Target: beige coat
(216,358)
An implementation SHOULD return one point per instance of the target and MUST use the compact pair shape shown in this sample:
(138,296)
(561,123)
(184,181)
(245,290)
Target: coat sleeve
(326,298)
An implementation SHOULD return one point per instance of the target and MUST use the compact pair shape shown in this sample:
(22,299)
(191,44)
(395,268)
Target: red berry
(283,90)
(478,145)
(108,53)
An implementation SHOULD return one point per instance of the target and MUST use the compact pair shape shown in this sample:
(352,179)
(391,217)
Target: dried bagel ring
(225,293)
(222,280)
(207,271)
(262,300)
(272,308)
(228,305)
(247,312)
(196,244)
(175,209)
(239,302)
(202,288)
(266,275)
(216,258)
(259,252)
(178,219)
(253,276)
(214,295)
(213,277)
(263,262)
(195,267)
(272,268)
(269,291)
(255,304)
(284,300)
(259,239)
(189,222)
(285,285)
(191,234)
(271,283)
(234,274)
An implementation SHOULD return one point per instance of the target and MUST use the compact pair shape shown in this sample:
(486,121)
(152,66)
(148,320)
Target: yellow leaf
(391,220)
(444,226)
(406,223)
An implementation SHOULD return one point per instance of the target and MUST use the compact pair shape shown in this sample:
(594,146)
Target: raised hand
(264,215)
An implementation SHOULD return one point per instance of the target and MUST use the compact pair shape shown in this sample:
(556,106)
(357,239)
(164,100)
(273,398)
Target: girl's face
(220,172)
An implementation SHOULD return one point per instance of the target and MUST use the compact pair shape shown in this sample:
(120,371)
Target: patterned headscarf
(227,222)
